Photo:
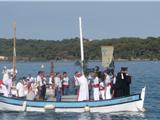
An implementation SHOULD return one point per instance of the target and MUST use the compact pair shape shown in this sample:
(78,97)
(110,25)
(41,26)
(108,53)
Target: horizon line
(84,38)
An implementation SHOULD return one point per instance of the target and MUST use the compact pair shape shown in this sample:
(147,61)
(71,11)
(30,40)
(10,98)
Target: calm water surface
(144,73)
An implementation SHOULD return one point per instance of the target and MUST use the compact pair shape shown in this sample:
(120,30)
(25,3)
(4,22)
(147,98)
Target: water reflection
(12,115)
(71,116)
(111,116)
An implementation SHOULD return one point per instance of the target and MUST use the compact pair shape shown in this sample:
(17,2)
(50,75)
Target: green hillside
(125,48)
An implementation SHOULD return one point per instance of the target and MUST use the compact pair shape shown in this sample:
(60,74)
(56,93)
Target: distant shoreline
(72,61)
(125,49)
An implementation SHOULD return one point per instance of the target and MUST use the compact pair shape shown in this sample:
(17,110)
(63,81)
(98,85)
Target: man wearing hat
(127,82)
(123,81)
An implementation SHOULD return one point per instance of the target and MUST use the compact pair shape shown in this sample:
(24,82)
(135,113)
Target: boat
(133,102)
(129,103)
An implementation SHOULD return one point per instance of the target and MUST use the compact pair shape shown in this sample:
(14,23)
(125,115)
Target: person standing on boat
(51,80)
(5,73)
(65,83)
(83,90)
(43,87)
(113,90)
(20,89)
(119,83)
(102,89)
(3,89)
(38,82)
(7,80)
(30,94)
(25,83)
(95,87)
(51,83)
(108,83)
(90,78)
(41,81)
(127,83)
(123,81)
(76,84)
(58,87)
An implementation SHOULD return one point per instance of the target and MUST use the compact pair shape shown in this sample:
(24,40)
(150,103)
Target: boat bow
(140,104)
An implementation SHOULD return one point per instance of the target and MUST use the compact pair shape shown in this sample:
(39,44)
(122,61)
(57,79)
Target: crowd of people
(35,88)
(101,85)
(94,85)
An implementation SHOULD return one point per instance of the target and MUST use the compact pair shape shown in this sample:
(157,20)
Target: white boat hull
(115,105)
(133,106)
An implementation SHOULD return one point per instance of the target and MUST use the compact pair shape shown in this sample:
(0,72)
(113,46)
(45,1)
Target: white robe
(66,81)
(4,90)
(108,87)
(96,89)
(83,90)
(7,80)
(102,90)
(20,89)
(50,80)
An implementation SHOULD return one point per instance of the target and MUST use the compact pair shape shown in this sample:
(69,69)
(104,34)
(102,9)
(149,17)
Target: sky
(59,20)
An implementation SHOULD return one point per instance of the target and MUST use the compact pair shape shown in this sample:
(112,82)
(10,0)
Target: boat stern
(140,104)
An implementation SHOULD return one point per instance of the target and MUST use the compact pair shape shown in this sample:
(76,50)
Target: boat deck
(64,98)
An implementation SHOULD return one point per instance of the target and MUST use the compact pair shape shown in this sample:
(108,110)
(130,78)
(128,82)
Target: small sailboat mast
(81,43)
(14,50)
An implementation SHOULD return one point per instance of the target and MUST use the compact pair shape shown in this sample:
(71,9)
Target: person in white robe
(102,90)
(107,86)
(7,80)
(4,89)
(20,89)
(51,78)
(83,90)
(5,73)
(96,87)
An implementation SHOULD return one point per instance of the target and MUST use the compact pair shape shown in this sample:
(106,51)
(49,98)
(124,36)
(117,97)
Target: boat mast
(14,50)
(52,69)
(81,44)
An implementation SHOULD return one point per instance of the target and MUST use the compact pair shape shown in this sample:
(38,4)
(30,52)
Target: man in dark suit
(122,85)
(127,82)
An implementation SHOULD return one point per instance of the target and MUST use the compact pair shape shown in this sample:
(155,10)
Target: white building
(3,58)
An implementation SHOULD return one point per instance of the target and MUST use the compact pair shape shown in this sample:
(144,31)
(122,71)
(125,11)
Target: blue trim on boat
(71,104)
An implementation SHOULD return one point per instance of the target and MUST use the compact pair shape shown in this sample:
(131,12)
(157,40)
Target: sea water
(144,73)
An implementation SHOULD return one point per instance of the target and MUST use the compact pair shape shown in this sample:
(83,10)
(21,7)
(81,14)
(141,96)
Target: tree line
(69,49)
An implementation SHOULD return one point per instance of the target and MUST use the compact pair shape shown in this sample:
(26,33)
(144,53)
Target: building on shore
(2,58)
